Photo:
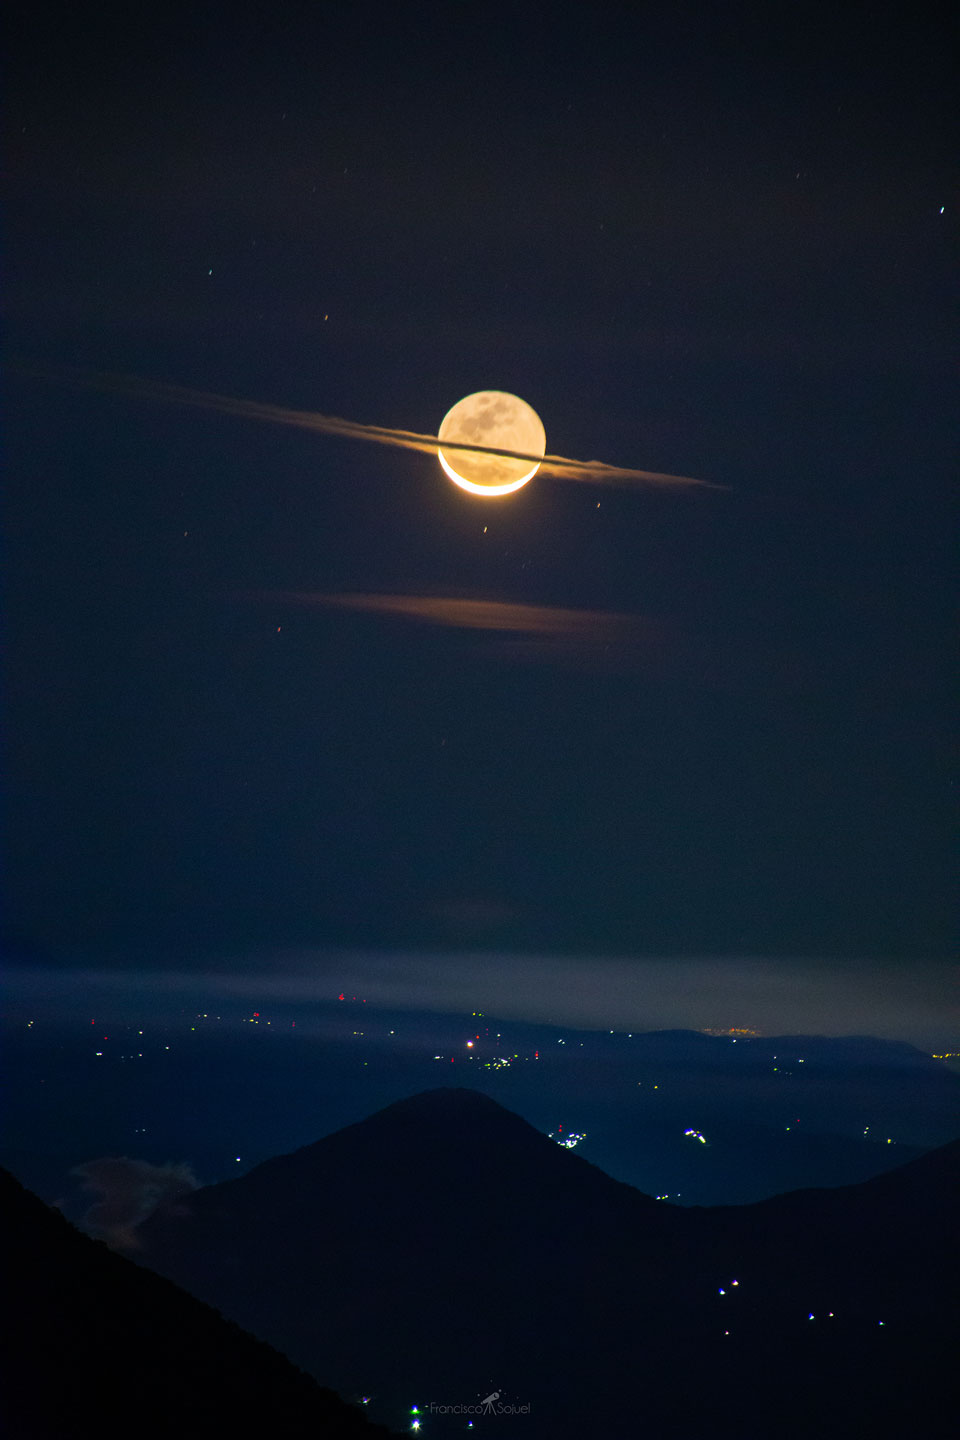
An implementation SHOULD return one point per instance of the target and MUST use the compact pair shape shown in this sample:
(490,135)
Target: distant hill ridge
(465,1131)
(443,1245)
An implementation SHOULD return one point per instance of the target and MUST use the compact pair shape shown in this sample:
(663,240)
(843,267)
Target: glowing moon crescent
(495,419)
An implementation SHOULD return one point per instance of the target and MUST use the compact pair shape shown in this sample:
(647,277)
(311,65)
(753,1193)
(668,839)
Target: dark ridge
(466,1139)
(833,1048)
(95,1345)
(926,1181)
(443,1245)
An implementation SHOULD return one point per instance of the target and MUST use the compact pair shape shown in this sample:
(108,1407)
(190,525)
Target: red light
(256,1014)
(340,996)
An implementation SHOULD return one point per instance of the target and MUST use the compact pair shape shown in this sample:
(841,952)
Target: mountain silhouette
(95,1345)
(443,1248)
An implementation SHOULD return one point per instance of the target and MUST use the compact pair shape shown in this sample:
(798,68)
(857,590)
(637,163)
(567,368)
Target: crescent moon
(495,419)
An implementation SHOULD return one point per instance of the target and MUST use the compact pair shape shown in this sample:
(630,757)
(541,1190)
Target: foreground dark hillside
(443,1249)
(95,1345)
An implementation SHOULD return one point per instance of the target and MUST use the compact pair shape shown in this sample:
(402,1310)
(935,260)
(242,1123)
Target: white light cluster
(570,1141)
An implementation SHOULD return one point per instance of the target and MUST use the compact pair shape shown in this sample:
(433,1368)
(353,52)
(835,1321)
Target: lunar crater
(497,419)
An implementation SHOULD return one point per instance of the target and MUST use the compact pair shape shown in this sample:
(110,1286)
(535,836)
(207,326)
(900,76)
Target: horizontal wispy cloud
(467,614)
(595,471)
(527,631)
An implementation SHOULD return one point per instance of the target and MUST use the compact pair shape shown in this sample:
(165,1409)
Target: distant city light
(570,1141)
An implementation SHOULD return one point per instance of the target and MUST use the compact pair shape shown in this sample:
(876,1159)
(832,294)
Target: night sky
(251,707)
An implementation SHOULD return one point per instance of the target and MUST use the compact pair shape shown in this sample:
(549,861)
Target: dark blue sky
(709,242)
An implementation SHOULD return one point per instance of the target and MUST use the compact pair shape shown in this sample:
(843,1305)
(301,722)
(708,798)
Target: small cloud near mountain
(129,1192)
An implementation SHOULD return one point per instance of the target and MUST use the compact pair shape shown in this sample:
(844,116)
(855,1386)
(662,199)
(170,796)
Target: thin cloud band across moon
(492,418)
(490,443)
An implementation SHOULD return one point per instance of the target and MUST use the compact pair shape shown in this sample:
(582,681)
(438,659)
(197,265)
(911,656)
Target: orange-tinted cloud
(526,632)
(595,471)
(465,614)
